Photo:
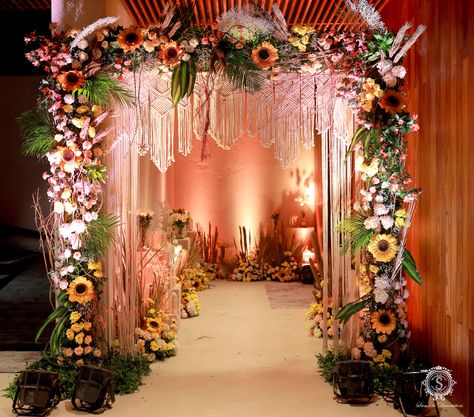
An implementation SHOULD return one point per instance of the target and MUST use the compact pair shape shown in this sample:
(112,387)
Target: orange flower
(383,321)
(393,102)
(71,80)
(170,52)
(130,39)
(265,55)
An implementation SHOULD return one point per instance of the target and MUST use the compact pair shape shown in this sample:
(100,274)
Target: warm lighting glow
(307,256)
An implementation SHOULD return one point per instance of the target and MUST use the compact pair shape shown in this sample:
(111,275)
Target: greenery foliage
(38,130)
(102,87)
(100,233)
(129,372)
(359,236)
(327,363)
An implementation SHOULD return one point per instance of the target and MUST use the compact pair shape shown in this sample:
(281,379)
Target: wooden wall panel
(442,160)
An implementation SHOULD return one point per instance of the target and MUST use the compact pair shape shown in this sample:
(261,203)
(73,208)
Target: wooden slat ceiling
(321,14)
(25,5)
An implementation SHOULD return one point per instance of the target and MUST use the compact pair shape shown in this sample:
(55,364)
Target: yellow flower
(265,55)
(382,338)
(77,327)
(399,221)
(152,311)
(81,290)
(92,265)
(153,324)
(401,213)
(130,39)
(75,315)
(371,169)
(82,109)
(91,131)
(67,108)
(383,247)
(98,274)
(379,358)
(70,334)
(383,321)
(154,346)
(87,326)
(374,269)
(386,353)
(96,110)
(79,338)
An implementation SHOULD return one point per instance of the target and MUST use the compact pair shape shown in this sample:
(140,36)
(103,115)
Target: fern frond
(359,236)
(39,132)
(101,88)
(242,72)
(100,234)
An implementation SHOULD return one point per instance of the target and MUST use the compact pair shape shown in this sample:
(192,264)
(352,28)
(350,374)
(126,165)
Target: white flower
(67,253)
(185,57)
(387,221)
(406,294)
(82,44)
(58,207)
(69,99)
(379,199)
(194,42)
(78,226)
(381,295)
(372,222)
(384,66)
(385,184)
(77,256)
(63,284)
(83,56)
(380,209)
(399,71)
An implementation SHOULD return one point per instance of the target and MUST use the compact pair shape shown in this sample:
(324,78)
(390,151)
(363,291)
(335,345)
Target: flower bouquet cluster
(156,338)
(315,319)
(192,279)
(144,219)
(179,219)
(190,303)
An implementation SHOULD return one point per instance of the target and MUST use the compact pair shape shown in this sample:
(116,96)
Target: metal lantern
(409,394)
(37,393)
(94,390)
(353,381)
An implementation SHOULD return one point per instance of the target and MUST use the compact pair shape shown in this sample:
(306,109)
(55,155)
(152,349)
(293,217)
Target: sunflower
(282,275)
(393,102)
(71,80)
(383,321)
(130,39)
(170,52)
(81,290)
(153,325)
(383,247)
(265,55)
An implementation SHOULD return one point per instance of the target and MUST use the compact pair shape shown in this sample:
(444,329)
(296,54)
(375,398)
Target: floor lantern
(94,390)
(37,393)
(353,381)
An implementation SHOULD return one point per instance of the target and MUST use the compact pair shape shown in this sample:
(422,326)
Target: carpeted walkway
(289,294)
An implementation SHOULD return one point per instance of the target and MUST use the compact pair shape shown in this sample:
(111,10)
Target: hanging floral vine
(247,47)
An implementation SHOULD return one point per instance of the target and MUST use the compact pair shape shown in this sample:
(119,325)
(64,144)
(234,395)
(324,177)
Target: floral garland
(82,75)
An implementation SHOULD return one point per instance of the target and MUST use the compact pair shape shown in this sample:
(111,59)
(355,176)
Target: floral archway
(251,50)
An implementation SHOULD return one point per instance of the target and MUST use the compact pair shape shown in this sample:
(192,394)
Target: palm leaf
(57,314)
(359,236)
(39,132)
(346,312)
(100,234)
(101,88)
(242,72)
(409,265)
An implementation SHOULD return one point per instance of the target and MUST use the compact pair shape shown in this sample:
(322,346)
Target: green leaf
(242,72)
(96,172)
(101,88)
(346,312)
(359,236)
(100,234)
(56,314)
(358,136)
(409,265)
(38,129)
(176,93)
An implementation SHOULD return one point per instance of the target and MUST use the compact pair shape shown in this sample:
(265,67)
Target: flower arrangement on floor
(314,316)
(192,279)
(157,337)
(248,46)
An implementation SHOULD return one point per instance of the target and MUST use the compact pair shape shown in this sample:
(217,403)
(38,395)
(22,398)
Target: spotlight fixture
(353,381)
(37,393)
(94,390)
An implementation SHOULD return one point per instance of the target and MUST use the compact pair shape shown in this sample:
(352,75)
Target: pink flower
(372,223)
(369,349)
(360,342)
(355,353)
(387,221)
(79,350)
(399,71)
(380,209)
